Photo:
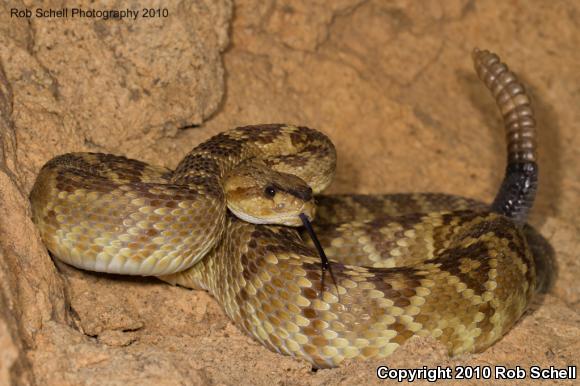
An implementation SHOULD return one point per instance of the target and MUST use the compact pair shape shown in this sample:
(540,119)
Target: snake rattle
(226,220)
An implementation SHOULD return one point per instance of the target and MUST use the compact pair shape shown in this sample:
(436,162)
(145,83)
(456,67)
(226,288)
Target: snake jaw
(285,217)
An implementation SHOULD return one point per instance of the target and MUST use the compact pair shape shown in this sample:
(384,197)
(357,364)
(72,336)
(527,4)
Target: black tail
(518,189)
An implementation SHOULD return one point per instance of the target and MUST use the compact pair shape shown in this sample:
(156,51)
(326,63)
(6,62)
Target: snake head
(260,195)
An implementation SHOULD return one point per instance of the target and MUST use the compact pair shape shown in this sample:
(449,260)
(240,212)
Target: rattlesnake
(403,265)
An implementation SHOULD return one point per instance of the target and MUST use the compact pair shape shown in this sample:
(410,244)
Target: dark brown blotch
(310,293)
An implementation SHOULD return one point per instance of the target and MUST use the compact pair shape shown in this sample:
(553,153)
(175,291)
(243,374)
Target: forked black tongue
(324,262)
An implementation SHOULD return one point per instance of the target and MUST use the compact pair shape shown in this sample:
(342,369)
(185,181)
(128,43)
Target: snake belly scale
(405,265)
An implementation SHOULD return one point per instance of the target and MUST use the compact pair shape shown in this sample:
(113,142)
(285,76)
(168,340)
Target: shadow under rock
(546,266)
(544,259)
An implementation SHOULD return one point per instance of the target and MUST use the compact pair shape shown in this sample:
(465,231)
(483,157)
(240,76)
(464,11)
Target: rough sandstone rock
(390,82)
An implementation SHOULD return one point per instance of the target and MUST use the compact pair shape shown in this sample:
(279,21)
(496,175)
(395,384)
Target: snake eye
(270,191)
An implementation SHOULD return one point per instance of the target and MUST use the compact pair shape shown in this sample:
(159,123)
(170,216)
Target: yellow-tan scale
(271,286)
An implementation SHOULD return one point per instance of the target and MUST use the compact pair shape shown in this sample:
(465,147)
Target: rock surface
(390,82)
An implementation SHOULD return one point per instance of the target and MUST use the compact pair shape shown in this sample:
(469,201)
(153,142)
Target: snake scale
(403,265)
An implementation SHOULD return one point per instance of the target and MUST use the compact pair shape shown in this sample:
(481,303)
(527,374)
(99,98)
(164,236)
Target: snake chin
(290,218)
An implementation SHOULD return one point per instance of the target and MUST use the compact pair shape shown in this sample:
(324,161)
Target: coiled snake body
(404,265)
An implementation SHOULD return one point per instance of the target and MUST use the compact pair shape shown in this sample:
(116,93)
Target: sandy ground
(390,82)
